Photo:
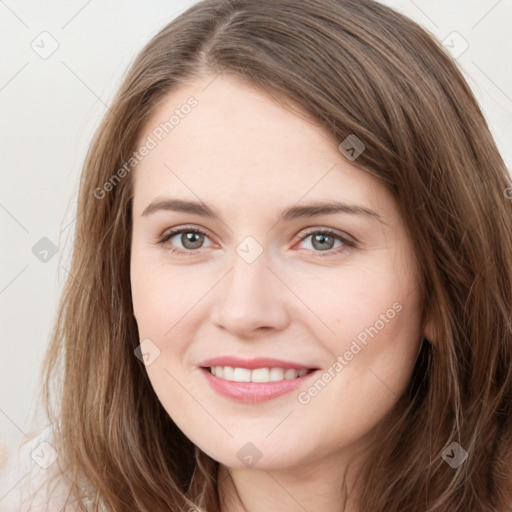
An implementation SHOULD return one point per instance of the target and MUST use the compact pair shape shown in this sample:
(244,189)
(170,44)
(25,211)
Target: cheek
(164,294)
(366,303)
(369,321)
(167,301)
(163,302)
(371,367)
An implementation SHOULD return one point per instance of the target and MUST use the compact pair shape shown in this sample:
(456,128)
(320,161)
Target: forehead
(238,144)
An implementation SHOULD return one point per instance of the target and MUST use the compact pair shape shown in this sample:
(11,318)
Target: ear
(428,331)
(130,313)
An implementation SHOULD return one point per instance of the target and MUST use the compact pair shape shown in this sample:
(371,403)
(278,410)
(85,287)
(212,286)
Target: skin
(248,158)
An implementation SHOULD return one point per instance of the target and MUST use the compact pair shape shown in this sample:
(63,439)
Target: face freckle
(253,289)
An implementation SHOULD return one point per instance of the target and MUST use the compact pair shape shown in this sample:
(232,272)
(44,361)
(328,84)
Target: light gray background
(51,106)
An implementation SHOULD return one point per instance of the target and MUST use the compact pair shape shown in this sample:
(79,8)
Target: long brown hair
(355,67)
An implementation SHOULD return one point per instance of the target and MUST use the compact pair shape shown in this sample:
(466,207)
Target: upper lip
(257,362)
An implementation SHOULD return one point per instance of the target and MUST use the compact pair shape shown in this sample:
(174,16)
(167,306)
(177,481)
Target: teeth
(260,375)
(241,375)
(291,374)
(256,375)
(276,374)
(227,373)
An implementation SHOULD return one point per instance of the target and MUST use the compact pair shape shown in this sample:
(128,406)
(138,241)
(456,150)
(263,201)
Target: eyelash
(325,231)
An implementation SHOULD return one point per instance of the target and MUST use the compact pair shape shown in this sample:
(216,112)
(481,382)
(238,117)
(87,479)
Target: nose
(250,300)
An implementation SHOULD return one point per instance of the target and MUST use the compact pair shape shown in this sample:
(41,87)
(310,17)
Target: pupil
(195,239)
(322,238)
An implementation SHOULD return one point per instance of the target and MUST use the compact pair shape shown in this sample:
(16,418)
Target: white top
(24,485)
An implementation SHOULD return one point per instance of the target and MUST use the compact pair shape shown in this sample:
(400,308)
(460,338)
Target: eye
(189,238)
(324,240)
(192,239)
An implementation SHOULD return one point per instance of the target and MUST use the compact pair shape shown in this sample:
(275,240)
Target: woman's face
(255,275)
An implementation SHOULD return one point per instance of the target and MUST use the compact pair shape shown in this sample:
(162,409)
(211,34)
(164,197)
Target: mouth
(256,380)
(265,374)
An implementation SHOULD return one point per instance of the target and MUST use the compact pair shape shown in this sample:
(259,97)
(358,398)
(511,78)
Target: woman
(292,276)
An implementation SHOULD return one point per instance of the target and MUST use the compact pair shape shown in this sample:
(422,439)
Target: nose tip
(248,301)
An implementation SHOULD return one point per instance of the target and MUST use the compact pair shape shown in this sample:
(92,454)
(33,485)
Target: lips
(254,392)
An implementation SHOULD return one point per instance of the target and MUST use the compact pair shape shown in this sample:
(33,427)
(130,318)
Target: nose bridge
(248,298)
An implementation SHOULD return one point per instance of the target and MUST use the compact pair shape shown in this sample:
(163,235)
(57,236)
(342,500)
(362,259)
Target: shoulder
(27,478)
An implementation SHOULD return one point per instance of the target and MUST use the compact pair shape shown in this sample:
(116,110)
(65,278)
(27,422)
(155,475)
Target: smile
(249,389)
(257,374)
(254,380)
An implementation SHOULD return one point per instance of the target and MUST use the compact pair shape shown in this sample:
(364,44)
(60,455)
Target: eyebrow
(291,213)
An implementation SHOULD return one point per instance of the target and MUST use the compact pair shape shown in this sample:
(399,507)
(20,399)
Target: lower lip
(254,392)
